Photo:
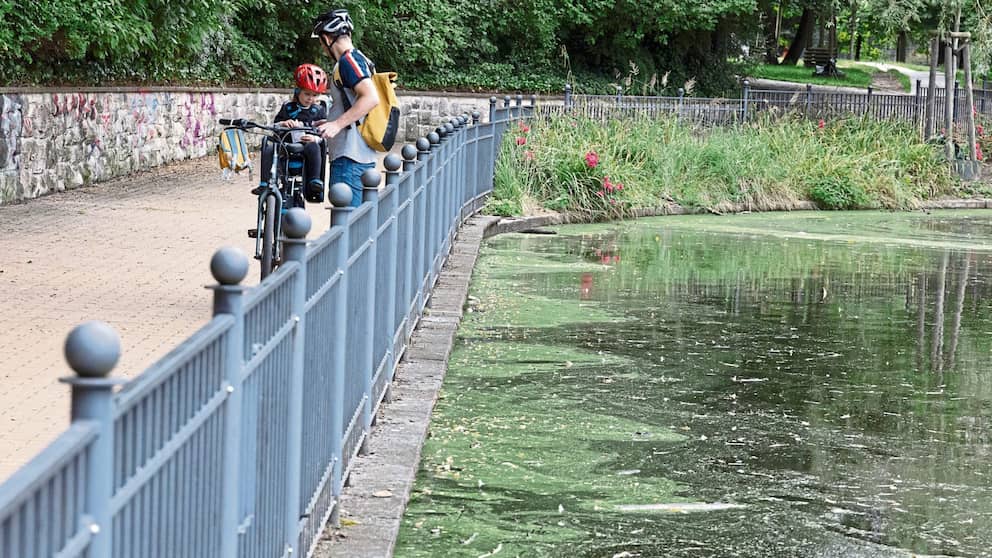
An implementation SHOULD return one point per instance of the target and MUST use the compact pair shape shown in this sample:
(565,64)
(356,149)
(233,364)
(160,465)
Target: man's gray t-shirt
(352,67)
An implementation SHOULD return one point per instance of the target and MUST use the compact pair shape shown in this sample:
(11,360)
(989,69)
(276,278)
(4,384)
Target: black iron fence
(811,102)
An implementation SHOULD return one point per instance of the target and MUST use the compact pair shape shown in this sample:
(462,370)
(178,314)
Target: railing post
(339,195)
(916,105)
(520,106)
(392,282)
(423,226)
(492,109)
(809,98)
(681,93)
(370,194)
(957,114)
(296,224)
(745,94)
(411,227)
(619,95)
(229,266)
(568,97)
(868,101)
(92,349)
(475,163)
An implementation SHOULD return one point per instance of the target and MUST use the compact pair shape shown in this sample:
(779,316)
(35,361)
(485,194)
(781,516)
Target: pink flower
(613,201)
(529,155)
(978,151)
(979,129)
(619,186)
(592,159)
(524,128)
(599,193)
(521,140)
(821,123)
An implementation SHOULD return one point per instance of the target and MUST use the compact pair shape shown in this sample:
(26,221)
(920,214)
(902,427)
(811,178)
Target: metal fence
(814,103)
(237,442)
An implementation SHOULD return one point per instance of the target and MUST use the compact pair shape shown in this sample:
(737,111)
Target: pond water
(814,384)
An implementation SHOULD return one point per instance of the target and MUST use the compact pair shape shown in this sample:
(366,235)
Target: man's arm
(366,99)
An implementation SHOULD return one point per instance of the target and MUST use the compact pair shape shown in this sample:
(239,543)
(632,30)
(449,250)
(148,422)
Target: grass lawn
(853,77)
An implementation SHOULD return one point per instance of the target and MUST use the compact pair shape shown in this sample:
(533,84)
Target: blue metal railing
(237,443)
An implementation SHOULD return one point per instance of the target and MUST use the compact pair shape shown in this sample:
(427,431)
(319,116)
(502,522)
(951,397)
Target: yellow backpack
(232,151)
(380,127)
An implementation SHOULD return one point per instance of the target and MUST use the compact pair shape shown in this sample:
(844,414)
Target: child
(303,110)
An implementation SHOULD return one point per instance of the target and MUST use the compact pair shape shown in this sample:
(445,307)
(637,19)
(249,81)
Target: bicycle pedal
(252,233)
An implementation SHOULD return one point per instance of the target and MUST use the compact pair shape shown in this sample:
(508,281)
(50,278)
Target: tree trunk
(770,54)
(801,40)
(857,49)
(853,28)
(902,45)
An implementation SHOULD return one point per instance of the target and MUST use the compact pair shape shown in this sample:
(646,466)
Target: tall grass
(576,164)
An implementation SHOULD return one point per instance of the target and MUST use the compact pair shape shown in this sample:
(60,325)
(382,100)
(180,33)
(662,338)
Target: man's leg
(345,170)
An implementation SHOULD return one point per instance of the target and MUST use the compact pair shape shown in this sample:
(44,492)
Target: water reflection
(840,391)
(855,377)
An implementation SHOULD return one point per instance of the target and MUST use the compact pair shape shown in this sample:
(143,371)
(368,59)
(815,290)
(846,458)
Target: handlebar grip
(237,122)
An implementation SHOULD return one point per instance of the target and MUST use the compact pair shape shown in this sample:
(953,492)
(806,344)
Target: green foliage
(848,163)
(498,45)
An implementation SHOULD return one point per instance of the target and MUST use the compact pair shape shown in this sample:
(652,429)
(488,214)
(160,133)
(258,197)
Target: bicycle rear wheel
(269,235)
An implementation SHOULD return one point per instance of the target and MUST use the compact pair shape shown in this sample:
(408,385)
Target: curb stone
(373,503)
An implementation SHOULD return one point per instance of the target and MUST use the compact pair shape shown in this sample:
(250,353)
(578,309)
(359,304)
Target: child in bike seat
(303,110)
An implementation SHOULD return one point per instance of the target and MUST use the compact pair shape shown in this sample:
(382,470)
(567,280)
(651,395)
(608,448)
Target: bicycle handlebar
(248,125)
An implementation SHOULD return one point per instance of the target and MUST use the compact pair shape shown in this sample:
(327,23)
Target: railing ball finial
(476,115)
(92,349)
(296,223)
(229,266)
(441,131)
(449,128)
(409,152)
(339,194)
(371,178)
(424,144)
(393,161)
(434,138)
(747,83)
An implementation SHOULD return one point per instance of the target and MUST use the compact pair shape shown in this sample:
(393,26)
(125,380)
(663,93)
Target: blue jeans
(345,170)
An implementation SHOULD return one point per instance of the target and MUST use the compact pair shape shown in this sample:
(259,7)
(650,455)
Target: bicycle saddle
(294,148)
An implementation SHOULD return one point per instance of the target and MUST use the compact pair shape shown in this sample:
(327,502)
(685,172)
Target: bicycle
(283,192)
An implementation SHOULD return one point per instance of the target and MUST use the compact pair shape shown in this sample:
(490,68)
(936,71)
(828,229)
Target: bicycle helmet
(312,77)
(334,23)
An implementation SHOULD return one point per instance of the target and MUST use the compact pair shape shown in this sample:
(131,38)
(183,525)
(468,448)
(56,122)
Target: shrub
(840,164)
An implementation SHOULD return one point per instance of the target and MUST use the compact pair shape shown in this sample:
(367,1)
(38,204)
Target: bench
(818,56)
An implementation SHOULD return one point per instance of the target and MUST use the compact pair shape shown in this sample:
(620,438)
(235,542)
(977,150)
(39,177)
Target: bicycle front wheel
(269,235)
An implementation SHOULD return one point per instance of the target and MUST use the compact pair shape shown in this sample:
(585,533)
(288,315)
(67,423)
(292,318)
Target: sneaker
(314,192)
(262,186)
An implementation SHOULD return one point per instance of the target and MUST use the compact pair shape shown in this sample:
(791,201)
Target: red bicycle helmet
(312,77)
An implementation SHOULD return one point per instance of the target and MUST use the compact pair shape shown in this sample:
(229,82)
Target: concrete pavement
(133,252)
(913,75)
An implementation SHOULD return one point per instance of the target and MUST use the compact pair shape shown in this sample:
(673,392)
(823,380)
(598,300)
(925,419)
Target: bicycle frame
(283,189)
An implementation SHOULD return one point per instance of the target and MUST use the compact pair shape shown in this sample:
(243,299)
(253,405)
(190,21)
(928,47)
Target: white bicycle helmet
(334,23)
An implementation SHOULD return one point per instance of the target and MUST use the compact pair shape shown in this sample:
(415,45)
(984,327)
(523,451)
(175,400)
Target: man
(352,98)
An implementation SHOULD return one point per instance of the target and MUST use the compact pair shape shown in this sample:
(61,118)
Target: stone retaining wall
(51,141)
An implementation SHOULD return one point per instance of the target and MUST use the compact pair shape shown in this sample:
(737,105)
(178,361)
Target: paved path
(914,75)
(133,252)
